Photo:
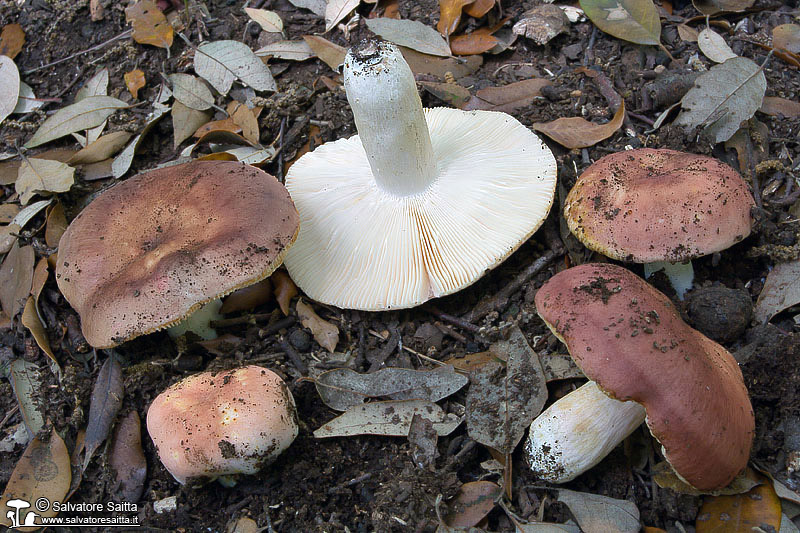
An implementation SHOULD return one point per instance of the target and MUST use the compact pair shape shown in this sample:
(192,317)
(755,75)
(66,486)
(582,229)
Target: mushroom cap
(148,252)
(629,339)
(361,247)
(221,423)
(649,205)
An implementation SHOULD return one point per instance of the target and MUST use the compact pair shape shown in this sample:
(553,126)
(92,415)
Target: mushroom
(630,341)
(217,424)
(421,203)
(659,207)
(149,252)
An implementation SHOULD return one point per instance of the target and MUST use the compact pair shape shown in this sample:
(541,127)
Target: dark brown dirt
(370,483)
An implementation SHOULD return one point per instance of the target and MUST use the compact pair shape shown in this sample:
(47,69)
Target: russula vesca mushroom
(218,424)
(150,251)
(630,340)
(659,207)
(421,203)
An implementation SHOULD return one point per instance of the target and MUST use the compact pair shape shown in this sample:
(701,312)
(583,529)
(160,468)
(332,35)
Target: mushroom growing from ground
(659,207)
(630,341)
(149,252)
(421,203)
(217,424)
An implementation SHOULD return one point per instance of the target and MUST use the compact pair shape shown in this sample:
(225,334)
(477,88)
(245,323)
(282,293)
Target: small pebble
(167,505)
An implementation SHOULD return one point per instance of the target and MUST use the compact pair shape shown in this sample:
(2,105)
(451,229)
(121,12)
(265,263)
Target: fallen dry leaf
(635,21)
(56,225)
(127,458)
(712,7)
(104,404)
(30,319)
(577,132)
(741,513)
(472,503)
(285,289)
(191,91)
(450,15)
(96,86)
(777,106)
(391,418)
(43,471)
(508,98)
(84,114)
(9,86)
(134,80)
(291,50)
(781,291)
(451,93)
(150,26)
(123,161)
(8,212)
(27,101)
(244,118)
(714,46)
(12,39)
(225,124)
(411,34)
(477,42)
(787,37)
(325,333)
(601,514)
(440,66)
(542,23)
(185,122)
(331,54)
(222,62)
(268,20)
(336,10)
(479,8)
(103,148)
(248,297)
(42,176)
(687,33)
(26,381)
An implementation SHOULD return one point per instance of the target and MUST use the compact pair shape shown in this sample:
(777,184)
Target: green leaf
(630,20)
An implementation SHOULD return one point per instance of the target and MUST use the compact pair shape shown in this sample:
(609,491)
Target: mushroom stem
(578,431)
(681,275)
(388,114)
(199,322)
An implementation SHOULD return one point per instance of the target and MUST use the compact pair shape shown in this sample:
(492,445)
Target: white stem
(199,322)
(681,275)
(578,431)
(388,115)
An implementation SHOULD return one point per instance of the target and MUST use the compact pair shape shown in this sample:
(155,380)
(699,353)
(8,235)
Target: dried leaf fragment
(450,15)
(84,114)
(103,148)
(268,20)
(577,132)
(336,10)
(740,513)
(391,418)
(542,23)
(16,278)
(12,39)
(714,46)
(30,319)
(331,54)
(105,403)
(325,333)
(776,106)
(43,176)
(508,98)
(411,34)
(781,291)
(25,380)
(134,80)
(285,289)
(601,514)
(472,503)
(150,26)
(635,21)
(477,42)
(9,86)
(291,50)
(127,458)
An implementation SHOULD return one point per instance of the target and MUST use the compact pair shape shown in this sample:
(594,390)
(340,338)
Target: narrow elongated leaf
(9,86)
(411,34)
(508,98)
(43,471)
(30,319)
(776,106)
(503,400)
(96,86)
(472,503)
(343,388)
(336,10)
(16,278)
(388,418)
(26,383)
(291,50)
(450,15)
(191,92)
(43,175)
(88,113)
(101,149)
(330,53)
(268,20)
(601,514)
(577,132)
(221,62)
(105,403)
(630,20)
(723,98)
(127,458)
(711,7)
(325,333)
(27,101)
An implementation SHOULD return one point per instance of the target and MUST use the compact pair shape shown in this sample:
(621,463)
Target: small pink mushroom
(218,424)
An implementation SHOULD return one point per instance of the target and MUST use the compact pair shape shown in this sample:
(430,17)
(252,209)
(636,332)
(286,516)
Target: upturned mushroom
(421,203)
(219,424)
(630,341)
(149,252)
(659,207)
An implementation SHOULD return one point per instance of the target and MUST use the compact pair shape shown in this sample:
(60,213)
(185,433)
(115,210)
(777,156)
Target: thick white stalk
(388,114)
(578,431)
(681,275)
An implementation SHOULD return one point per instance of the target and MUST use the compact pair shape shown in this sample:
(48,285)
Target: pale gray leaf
(96,86)
(601,514)
(9,86)
(26,382)
(42,175)
(391,418)
(185,121)
(503,400)
(315,6)
(723,98)
(343,388)
(221,62)
(781,291)
(411,34)
(714,46)
(336,10)
(88,113)
(191,91)
(27,101)
(291,50)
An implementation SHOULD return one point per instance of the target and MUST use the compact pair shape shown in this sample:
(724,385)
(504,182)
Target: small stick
(454,320)
(126,33)
(293,356)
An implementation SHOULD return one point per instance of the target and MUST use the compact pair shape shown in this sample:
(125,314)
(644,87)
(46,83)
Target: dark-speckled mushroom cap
(651,205)
(150,251)
(629,338)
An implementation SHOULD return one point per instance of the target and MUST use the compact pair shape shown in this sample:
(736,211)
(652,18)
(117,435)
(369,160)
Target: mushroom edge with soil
(421,203)
(214,425)
(151,251)
(659,207)
(630,340)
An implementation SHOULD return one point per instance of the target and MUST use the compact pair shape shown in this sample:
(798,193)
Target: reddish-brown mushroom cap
(222,423)
(629,338)
(650,205)
(151,250)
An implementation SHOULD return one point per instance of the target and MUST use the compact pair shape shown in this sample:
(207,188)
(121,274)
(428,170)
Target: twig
(454,320)
(293,356)
(247,319)
(642,118)
(123,35)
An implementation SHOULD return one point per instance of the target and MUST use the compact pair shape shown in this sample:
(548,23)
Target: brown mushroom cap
(150,251)
(629,338)
(222,423)
(650,205)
